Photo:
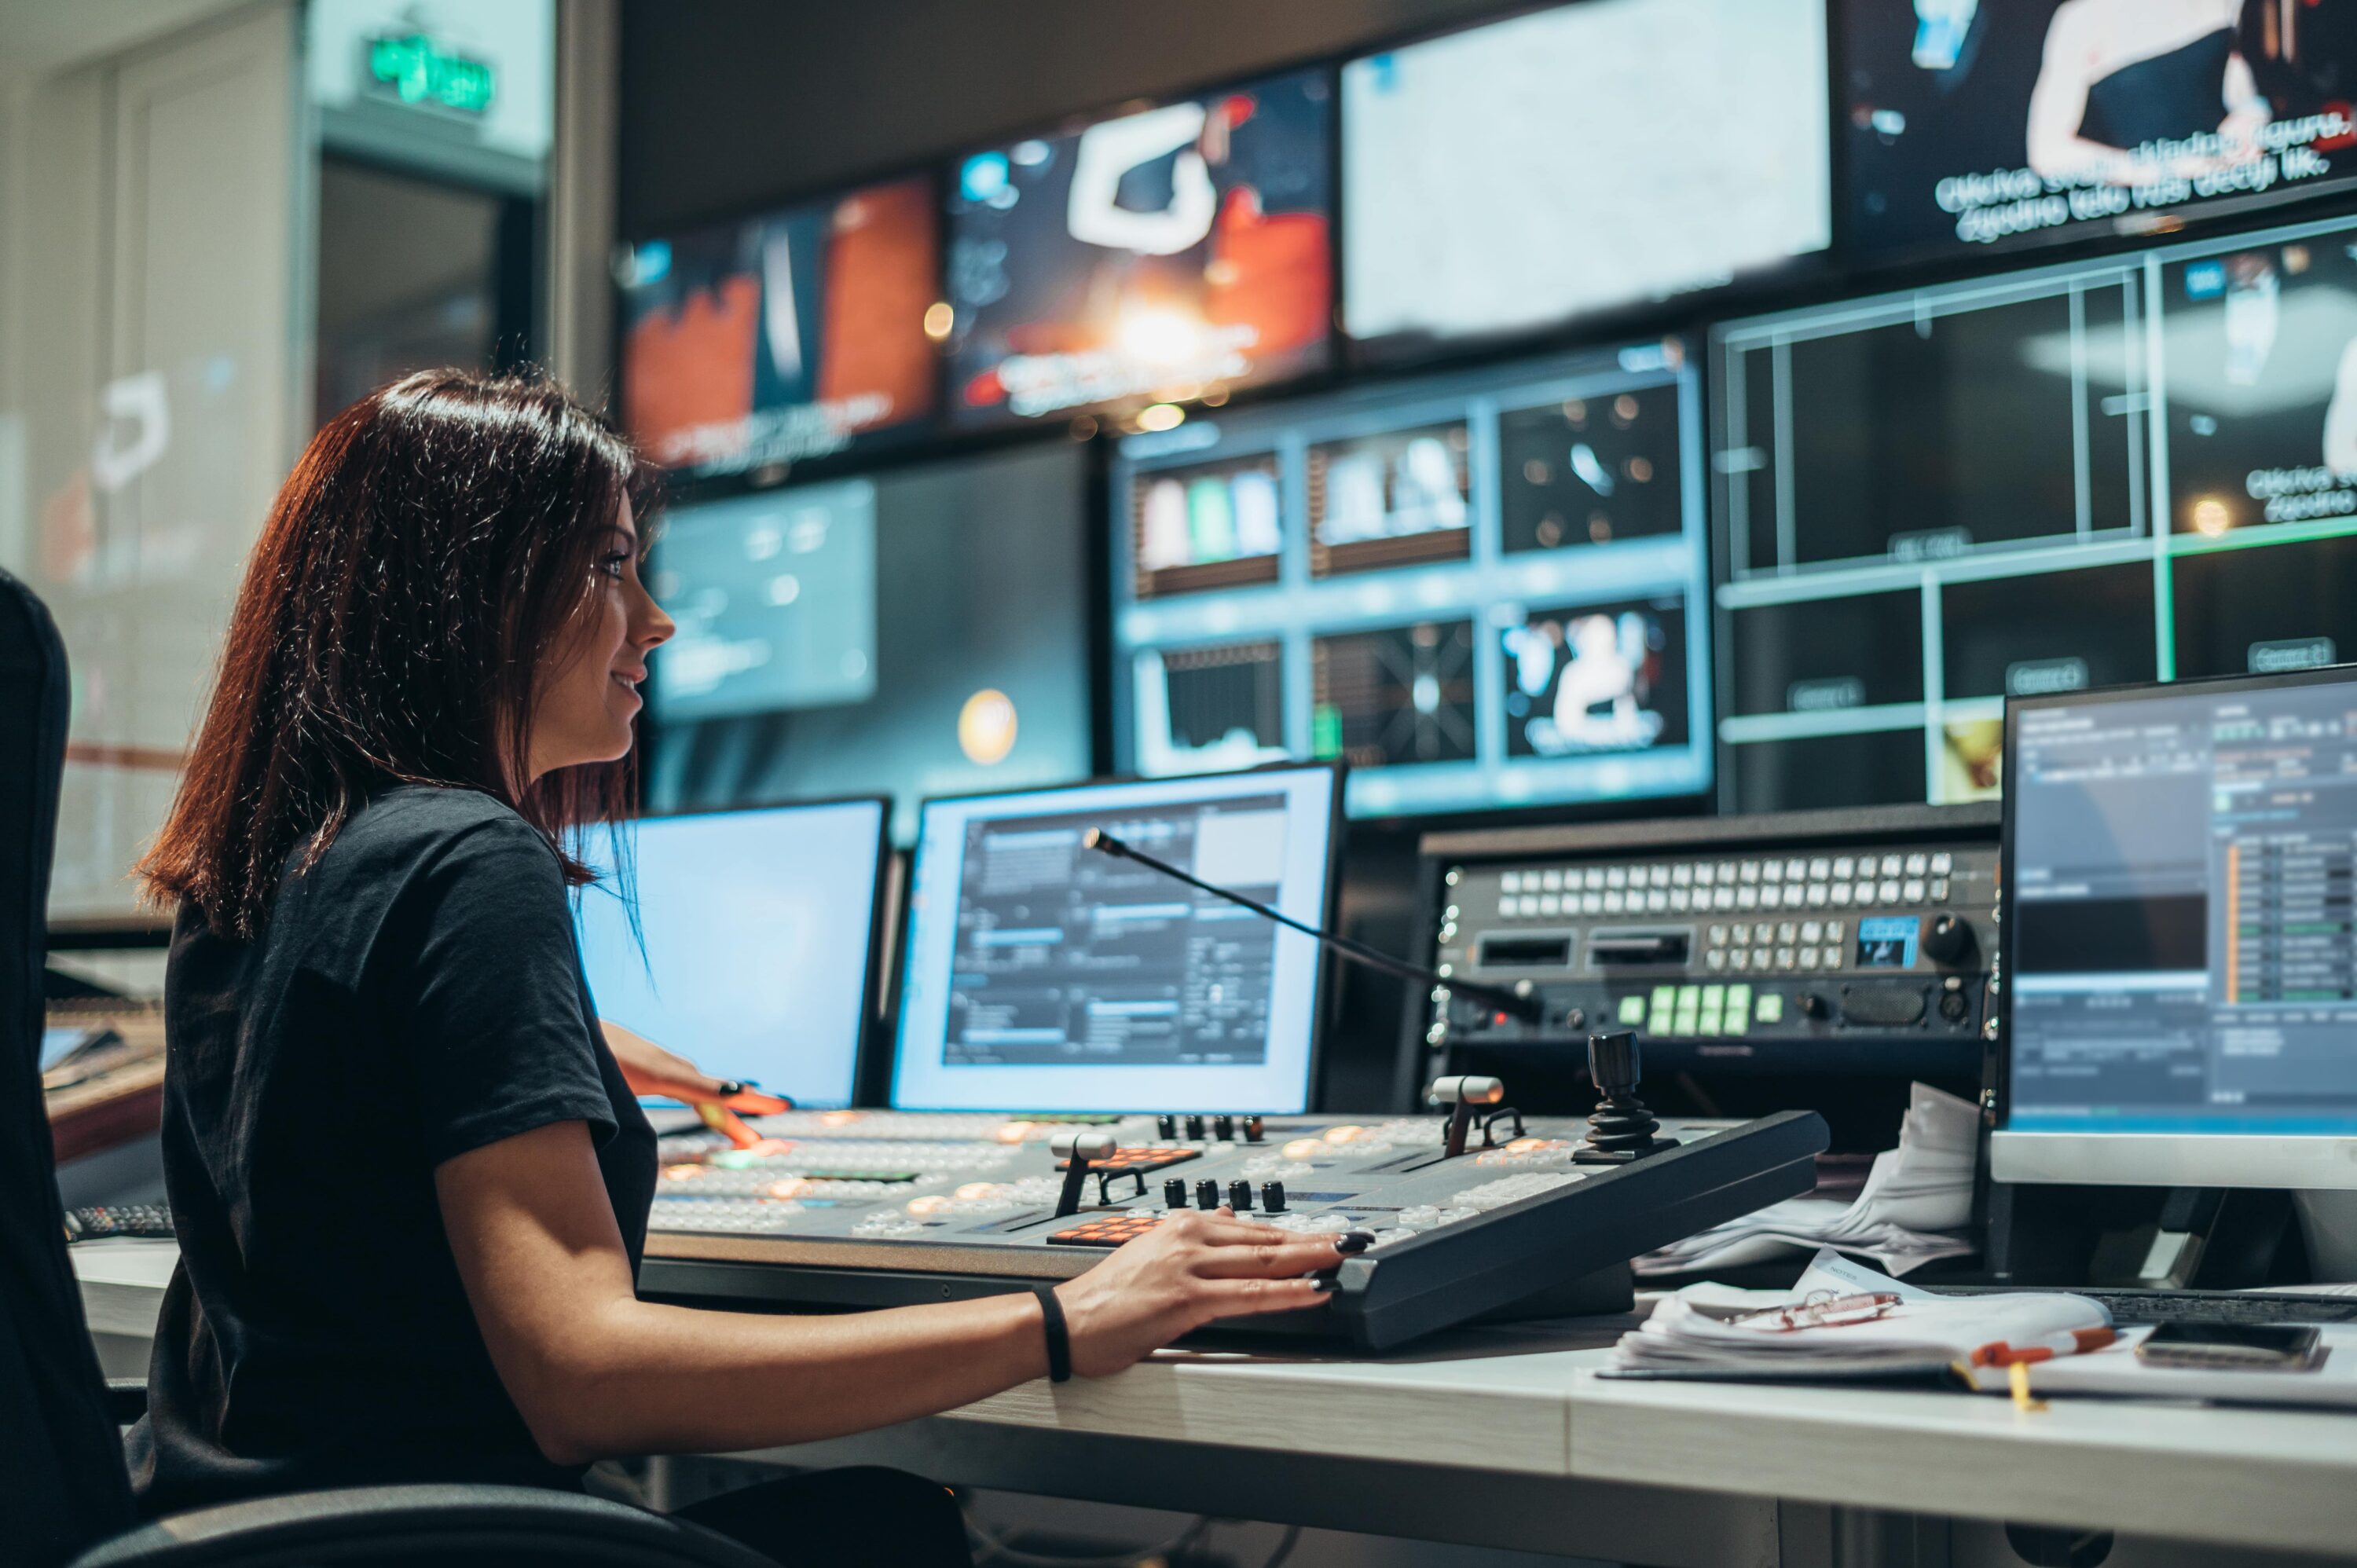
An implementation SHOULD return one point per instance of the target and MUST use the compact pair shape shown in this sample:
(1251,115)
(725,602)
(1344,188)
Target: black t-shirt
(416,994)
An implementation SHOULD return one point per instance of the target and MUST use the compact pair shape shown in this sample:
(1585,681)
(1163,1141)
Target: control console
(1856,941)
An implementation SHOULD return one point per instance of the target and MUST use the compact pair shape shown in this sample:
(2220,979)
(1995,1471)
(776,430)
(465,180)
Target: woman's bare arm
(595,1372)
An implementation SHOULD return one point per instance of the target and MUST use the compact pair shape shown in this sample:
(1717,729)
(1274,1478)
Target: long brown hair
(418,568)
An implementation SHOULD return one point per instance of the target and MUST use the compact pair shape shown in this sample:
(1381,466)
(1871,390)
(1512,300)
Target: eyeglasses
(1821,1309)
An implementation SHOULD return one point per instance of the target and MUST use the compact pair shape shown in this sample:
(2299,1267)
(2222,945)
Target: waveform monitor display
(1583,157)
(2136,469)
(1473,589)
(1043,975)
(1162,254)
(1978,123)
(922,632)
(753,949)
(783,337)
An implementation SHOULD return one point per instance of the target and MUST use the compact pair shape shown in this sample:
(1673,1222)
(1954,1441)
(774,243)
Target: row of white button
(1786,931)
(1706,874)
(1782,958)
(1682,900)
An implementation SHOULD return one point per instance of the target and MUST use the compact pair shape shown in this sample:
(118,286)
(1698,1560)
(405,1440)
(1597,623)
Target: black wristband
(1060,1341)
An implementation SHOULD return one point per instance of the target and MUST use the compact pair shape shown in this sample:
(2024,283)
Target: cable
(1284,1547)
(1000,1549)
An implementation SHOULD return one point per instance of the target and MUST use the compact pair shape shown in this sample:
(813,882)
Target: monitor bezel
(882,916)
(2306,1161)
(1337,833)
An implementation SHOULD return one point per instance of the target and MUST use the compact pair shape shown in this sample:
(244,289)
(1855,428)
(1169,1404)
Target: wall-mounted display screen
(1592,155)
(783,337)
(1474,589)
(2130,469)
(919,633)
(1981,122)
(1155,255)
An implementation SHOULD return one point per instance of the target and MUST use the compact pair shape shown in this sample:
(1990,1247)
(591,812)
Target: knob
(1174,1193)
(1272,1197)
(1167,1127)
(1240,1195)
(1948,940)
(1576,1019)
(1224,1128)
(1813,1005)
(1194,1127)
(1252,1129)
(1207,1194)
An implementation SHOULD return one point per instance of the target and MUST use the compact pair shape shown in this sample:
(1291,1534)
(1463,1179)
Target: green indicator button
(1739,1009)
(1632,1009)
(1712,997)
(1666,998)
(1689,998)
(1711,1023)
(1771,1009)
(1689,1022)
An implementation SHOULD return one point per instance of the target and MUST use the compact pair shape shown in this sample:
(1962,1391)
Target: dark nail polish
(1353,1241)
(1325,1284)
(733,1086)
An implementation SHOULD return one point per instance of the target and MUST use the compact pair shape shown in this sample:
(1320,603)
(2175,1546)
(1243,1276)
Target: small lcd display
(1887,941)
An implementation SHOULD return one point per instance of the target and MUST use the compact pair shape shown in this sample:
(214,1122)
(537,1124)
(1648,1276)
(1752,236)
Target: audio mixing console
(1856,941)
(853,1208)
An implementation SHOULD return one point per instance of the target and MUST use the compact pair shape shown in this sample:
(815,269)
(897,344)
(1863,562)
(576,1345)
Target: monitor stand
(2328,1223)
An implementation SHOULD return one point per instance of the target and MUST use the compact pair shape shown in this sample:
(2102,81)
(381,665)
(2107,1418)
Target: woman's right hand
(1190,1269)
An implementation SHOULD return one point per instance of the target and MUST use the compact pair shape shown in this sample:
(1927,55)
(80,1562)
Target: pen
(2071,1342)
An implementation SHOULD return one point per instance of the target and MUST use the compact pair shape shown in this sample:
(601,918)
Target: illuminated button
(1769,1009)
(1807,958)
(1840,894)
(1708,1023)
(1712,997)
(1759,958)
(1844,867)
(1833,958)
(1512,882)
(1739,1009)
(1681,875)
(1530,903)
(1816,895)
(1719,935)
(1741,932)
(1820,868)
(1939,890)
(1551,881)
(1914,892)
(1595,878)
(1812,930)
(1664,1008)
(1889,890)
(1722,899)
(1506,908)
(1706,874)
(1917,865)
(1681,898)
(1632,1009)
(1772,872)
(1656,900)
(1863,893)
(1617,877)
(1771,897)
(1659,876)
(1786,958)
(1749,871)
(1786,931)
(1943,863)
(1836,930)
(1591,903)
(1742,959)
(1613,901)
(1890,865)
(1715,958)
(1549,904)
(1747,897)
(1689,997)
(1687,1022)
(1794,870)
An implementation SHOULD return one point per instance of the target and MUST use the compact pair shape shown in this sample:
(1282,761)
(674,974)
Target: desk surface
(1522,1404)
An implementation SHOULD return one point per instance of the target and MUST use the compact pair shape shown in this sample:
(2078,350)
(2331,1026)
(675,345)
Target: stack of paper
(1916,1201)
(1698,1335)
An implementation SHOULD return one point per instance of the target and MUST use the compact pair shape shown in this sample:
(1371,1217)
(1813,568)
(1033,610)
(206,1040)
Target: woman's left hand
(649,1069)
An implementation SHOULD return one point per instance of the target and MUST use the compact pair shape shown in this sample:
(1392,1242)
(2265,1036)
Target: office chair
(64,1489)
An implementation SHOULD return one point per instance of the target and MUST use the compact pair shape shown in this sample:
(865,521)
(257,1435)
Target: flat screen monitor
(785,336)
(2133,468)
(2180,956)
(1042,975)
(1480,591)
(755,948)
(1162,254)
(921,633)
(1977,123)
(1592,155)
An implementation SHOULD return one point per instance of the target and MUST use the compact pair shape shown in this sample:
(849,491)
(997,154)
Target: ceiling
(39,38)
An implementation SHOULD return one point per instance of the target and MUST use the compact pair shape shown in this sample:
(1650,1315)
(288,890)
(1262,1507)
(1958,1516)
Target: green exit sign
(416,69)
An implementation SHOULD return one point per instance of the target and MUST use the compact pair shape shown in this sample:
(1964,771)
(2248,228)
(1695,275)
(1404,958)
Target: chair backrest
(62,1481)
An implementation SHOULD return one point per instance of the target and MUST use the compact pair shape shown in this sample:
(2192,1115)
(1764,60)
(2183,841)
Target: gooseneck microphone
(1526,1008)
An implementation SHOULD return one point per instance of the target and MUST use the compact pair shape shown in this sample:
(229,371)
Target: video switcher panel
(1835,942)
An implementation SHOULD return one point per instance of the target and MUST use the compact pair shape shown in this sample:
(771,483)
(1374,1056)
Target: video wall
(1475,589)
(1693,541)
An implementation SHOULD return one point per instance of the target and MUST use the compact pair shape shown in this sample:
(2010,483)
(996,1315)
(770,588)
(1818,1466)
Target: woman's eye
(612,565)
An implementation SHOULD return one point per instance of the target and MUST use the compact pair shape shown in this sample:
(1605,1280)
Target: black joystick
(1166,1127)
(1224,1128)
(1240,1195)
(1464,1096)
(1948,940)
(1621,1130)
(1207,1194)
(1174,1193)
(1195,1128)
(1272,1198)
(1078,1150)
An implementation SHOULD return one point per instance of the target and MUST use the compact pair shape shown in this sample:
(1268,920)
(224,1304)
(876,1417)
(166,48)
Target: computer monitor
(921,633)
(1485,590)
(1043,975)
(2180,940)
(1581,159)
(756,942)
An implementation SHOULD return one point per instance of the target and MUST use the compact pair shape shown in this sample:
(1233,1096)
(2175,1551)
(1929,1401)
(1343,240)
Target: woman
(411,1179)
(2116,75)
